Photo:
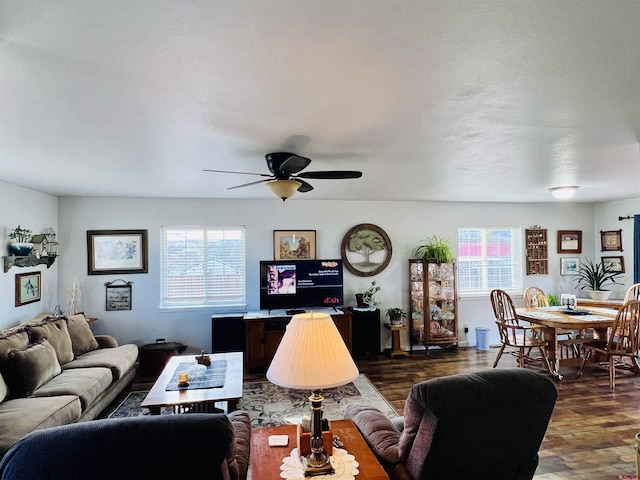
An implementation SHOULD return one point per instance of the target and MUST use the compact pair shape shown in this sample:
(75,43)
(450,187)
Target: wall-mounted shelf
(27,261)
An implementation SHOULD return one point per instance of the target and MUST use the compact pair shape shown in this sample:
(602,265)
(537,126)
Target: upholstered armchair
(484,425)
(147,447)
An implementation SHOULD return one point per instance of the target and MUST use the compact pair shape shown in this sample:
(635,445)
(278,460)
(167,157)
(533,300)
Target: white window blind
(203,267)
(489,258)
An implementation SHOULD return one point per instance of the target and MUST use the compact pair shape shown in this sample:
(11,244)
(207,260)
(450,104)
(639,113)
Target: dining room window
(203,267)
(489,258)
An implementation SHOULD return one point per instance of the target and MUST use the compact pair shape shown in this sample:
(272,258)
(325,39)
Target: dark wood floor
(591,434)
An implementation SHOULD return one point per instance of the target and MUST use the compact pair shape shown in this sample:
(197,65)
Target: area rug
(270,405)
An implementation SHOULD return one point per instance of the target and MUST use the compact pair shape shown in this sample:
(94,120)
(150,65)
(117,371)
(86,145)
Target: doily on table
(344,464)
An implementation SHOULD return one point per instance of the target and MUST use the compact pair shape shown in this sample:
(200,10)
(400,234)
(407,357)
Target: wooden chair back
(633,293)
(623,337)
(535,297)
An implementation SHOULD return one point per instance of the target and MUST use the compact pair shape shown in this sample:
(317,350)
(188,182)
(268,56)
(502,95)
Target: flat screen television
(300,284)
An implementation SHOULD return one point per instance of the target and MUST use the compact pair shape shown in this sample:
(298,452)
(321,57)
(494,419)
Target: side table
(154,356)
(396,349)
(266,460)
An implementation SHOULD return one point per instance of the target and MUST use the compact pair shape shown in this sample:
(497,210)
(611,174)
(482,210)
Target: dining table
(556,320)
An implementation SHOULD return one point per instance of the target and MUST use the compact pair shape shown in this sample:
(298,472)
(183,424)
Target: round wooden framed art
(366,250)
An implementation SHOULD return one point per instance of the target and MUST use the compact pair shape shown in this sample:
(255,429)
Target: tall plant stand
(396,348)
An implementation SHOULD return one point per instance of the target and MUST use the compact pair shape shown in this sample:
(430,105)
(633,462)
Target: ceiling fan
(287,176)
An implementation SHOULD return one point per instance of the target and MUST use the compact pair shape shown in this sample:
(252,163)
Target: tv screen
(300,284)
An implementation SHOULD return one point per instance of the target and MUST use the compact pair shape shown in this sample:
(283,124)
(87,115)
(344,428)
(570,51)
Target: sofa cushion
(21,416)
(13,338)
(32,367)
(85,383)
(119,359)
(4,388)
(82,339)
(57,334)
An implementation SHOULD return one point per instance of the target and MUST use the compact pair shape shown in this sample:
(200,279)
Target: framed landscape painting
(113,252)
(294,244)
(617,263)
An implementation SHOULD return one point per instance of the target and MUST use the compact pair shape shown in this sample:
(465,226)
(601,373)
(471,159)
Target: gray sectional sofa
(54,371)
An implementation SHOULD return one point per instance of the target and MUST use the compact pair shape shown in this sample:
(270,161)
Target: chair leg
(587,354)
(546,360)
(612,374)
(521,357)
(498,357)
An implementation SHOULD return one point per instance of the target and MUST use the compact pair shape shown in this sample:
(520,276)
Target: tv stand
(263,335)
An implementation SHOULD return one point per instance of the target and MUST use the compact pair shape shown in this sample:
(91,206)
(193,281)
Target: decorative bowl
(196,371)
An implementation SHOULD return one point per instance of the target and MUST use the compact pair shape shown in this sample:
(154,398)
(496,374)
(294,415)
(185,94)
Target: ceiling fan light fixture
(564,193)
(283,188)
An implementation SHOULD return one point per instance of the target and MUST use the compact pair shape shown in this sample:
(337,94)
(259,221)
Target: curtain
(636,249)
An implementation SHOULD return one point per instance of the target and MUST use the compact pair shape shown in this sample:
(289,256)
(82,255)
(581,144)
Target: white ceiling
(461,100)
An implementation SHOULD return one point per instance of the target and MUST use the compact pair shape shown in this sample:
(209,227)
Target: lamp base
(314,465)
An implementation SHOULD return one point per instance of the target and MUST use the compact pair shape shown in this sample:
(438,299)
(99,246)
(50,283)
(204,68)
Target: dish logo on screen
(331,300)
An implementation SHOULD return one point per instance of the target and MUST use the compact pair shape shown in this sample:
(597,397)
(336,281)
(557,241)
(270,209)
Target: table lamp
(312,356)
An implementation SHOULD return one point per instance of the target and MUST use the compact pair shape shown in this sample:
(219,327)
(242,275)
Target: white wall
(35,211)
(406,223)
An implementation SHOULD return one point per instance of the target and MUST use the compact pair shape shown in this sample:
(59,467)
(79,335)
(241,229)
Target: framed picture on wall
(112,252)
(294,244)
(569,241)
(570,266)
(28,288)
(611,241)
(616,263)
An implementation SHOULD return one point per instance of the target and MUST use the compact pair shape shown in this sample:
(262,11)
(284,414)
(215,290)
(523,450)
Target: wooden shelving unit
(27,261)
(537,251)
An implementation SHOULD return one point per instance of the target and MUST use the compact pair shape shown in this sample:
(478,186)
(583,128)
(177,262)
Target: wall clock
(366,250)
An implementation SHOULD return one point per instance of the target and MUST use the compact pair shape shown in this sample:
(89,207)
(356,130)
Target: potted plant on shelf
(594,277)
(368,297)
(434,249)
(396,314)
(20,245)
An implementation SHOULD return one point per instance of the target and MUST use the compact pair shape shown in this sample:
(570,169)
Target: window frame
(207,288)
(516,264)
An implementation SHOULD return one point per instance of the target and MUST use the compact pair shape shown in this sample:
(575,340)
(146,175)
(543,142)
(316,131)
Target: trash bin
(482,338)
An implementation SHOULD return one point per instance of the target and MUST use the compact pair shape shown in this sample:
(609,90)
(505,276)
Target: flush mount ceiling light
(564,193)
(284,188)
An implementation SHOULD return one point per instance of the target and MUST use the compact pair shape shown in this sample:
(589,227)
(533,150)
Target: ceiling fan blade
(294,164)
(331,174)
(305,187)
(237,173)
(248,184)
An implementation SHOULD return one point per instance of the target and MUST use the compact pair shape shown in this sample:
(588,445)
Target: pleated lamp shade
(312,355)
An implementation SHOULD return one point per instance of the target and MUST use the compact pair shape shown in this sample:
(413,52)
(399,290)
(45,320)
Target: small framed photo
(570,266)
(112,252)
(118,296)
(28,288)
(617,263)
(294,244)
(569,241)
(611,241)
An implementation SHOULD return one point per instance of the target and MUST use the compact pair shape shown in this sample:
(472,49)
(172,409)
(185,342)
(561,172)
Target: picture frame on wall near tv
(294,244)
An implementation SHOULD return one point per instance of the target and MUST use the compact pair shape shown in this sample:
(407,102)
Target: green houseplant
(368,297)
(20,245)
(396,314)
(434,249)
(594,277)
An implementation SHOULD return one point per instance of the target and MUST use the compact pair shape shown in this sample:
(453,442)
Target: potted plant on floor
(396,315)
(594,277)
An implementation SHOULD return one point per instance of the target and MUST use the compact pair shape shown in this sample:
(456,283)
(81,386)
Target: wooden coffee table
(201,399)
(266,460)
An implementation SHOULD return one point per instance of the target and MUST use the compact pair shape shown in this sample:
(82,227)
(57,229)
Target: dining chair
(567,348)
(633,293)
(515,335)
(622,342)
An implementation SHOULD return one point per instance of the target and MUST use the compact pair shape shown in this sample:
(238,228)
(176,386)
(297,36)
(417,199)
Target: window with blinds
(203,267)
(489,258)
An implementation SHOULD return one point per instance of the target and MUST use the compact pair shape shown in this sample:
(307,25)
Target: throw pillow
(82,339)
(13,338)
(32,367)
(57,334)
(4,389)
